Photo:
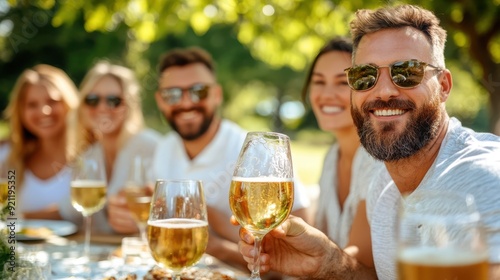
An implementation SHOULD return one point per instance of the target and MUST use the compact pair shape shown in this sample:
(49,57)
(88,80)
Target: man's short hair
(370,21)
(183,57)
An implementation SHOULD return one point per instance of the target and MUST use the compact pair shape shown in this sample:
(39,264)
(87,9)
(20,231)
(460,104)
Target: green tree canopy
(281,34)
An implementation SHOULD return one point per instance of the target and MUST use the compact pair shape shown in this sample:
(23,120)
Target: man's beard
(193,135)
(386,144)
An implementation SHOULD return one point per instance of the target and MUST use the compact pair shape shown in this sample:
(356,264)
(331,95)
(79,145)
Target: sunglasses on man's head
(404,74)
(196,92)
(93,100)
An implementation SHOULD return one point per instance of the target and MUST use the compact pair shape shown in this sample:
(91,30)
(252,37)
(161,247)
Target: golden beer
(4,192)
(177,243)
(88,196)
(436,264)
(138,204)
(261,204)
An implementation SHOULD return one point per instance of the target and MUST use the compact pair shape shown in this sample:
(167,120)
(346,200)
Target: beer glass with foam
(138,188)
(88,196)
(177,225)
(440,236)
(261,192)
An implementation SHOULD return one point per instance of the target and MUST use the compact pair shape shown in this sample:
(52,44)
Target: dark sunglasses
(404,74)
(93,100)
(196,92)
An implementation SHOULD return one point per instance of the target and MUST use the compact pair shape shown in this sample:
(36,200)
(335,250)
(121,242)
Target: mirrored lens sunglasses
(93,100)
(404,74)
(196,92)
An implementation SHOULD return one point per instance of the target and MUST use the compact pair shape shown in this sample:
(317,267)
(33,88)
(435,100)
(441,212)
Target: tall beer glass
(440,236)
(261,193)
(138,192)
(88,194)
(177,224)
(491,220)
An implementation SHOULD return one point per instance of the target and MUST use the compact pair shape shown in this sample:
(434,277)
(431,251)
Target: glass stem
(256,258)
(86,248)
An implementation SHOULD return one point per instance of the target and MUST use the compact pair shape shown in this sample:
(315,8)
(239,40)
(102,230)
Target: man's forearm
(341,266)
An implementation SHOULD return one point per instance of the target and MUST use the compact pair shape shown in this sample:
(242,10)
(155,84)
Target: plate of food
(191,273)
(35,230)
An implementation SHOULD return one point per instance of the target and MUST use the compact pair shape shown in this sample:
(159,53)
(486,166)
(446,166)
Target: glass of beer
(177,225)
(261,192)
(491,221)
(138,190)
(441,236)
(88,193)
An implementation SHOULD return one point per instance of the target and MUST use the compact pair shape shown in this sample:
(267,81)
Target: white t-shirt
(468,162)
(214,165)
(337,222)
(142,144)
(36,194)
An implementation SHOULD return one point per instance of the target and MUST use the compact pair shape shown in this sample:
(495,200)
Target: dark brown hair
(182,57)
(341,44)
(370,21)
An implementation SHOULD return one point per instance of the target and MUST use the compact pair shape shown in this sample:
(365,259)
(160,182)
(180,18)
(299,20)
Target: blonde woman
(40,144)
(111,126)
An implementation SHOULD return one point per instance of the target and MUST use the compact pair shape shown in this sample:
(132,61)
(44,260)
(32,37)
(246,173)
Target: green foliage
(268,41)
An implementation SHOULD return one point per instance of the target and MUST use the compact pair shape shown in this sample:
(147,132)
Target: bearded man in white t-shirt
(400,85)
(203,145)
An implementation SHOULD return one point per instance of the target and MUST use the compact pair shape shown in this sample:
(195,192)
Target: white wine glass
(88,193)
(177,224)
(138,191)
(440,235)
(261,193)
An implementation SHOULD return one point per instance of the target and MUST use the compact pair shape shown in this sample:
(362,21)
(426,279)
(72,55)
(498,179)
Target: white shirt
(36,194)
(337,222)
(467,162)
(214,165)
(142,144)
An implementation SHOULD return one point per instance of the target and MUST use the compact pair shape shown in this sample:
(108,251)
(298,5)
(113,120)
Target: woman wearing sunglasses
(345,175)
(39,145)
(111,126)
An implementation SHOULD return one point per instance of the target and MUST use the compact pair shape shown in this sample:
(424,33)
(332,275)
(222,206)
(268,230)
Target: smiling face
(43,114)
(329,92)
(104,118)
(395,123)
(189,119)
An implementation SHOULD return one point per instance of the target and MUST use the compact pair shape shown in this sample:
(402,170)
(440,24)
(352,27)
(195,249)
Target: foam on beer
(178,223)
(262,179)
(440,256)
(87,183)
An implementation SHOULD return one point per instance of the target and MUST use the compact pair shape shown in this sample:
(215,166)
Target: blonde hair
(134,120)
(23,142)
(369,21)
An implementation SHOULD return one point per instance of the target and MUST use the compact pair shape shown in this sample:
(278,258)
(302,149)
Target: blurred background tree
(262,49)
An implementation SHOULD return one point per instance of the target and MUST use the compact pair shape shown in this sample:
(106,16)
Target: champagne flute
(177,224)
(138,193)
(88,193)
(261,193)
(440,236)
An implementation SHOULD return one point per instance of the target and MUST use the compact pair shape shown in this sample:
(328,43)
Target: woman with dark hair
(345,177)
